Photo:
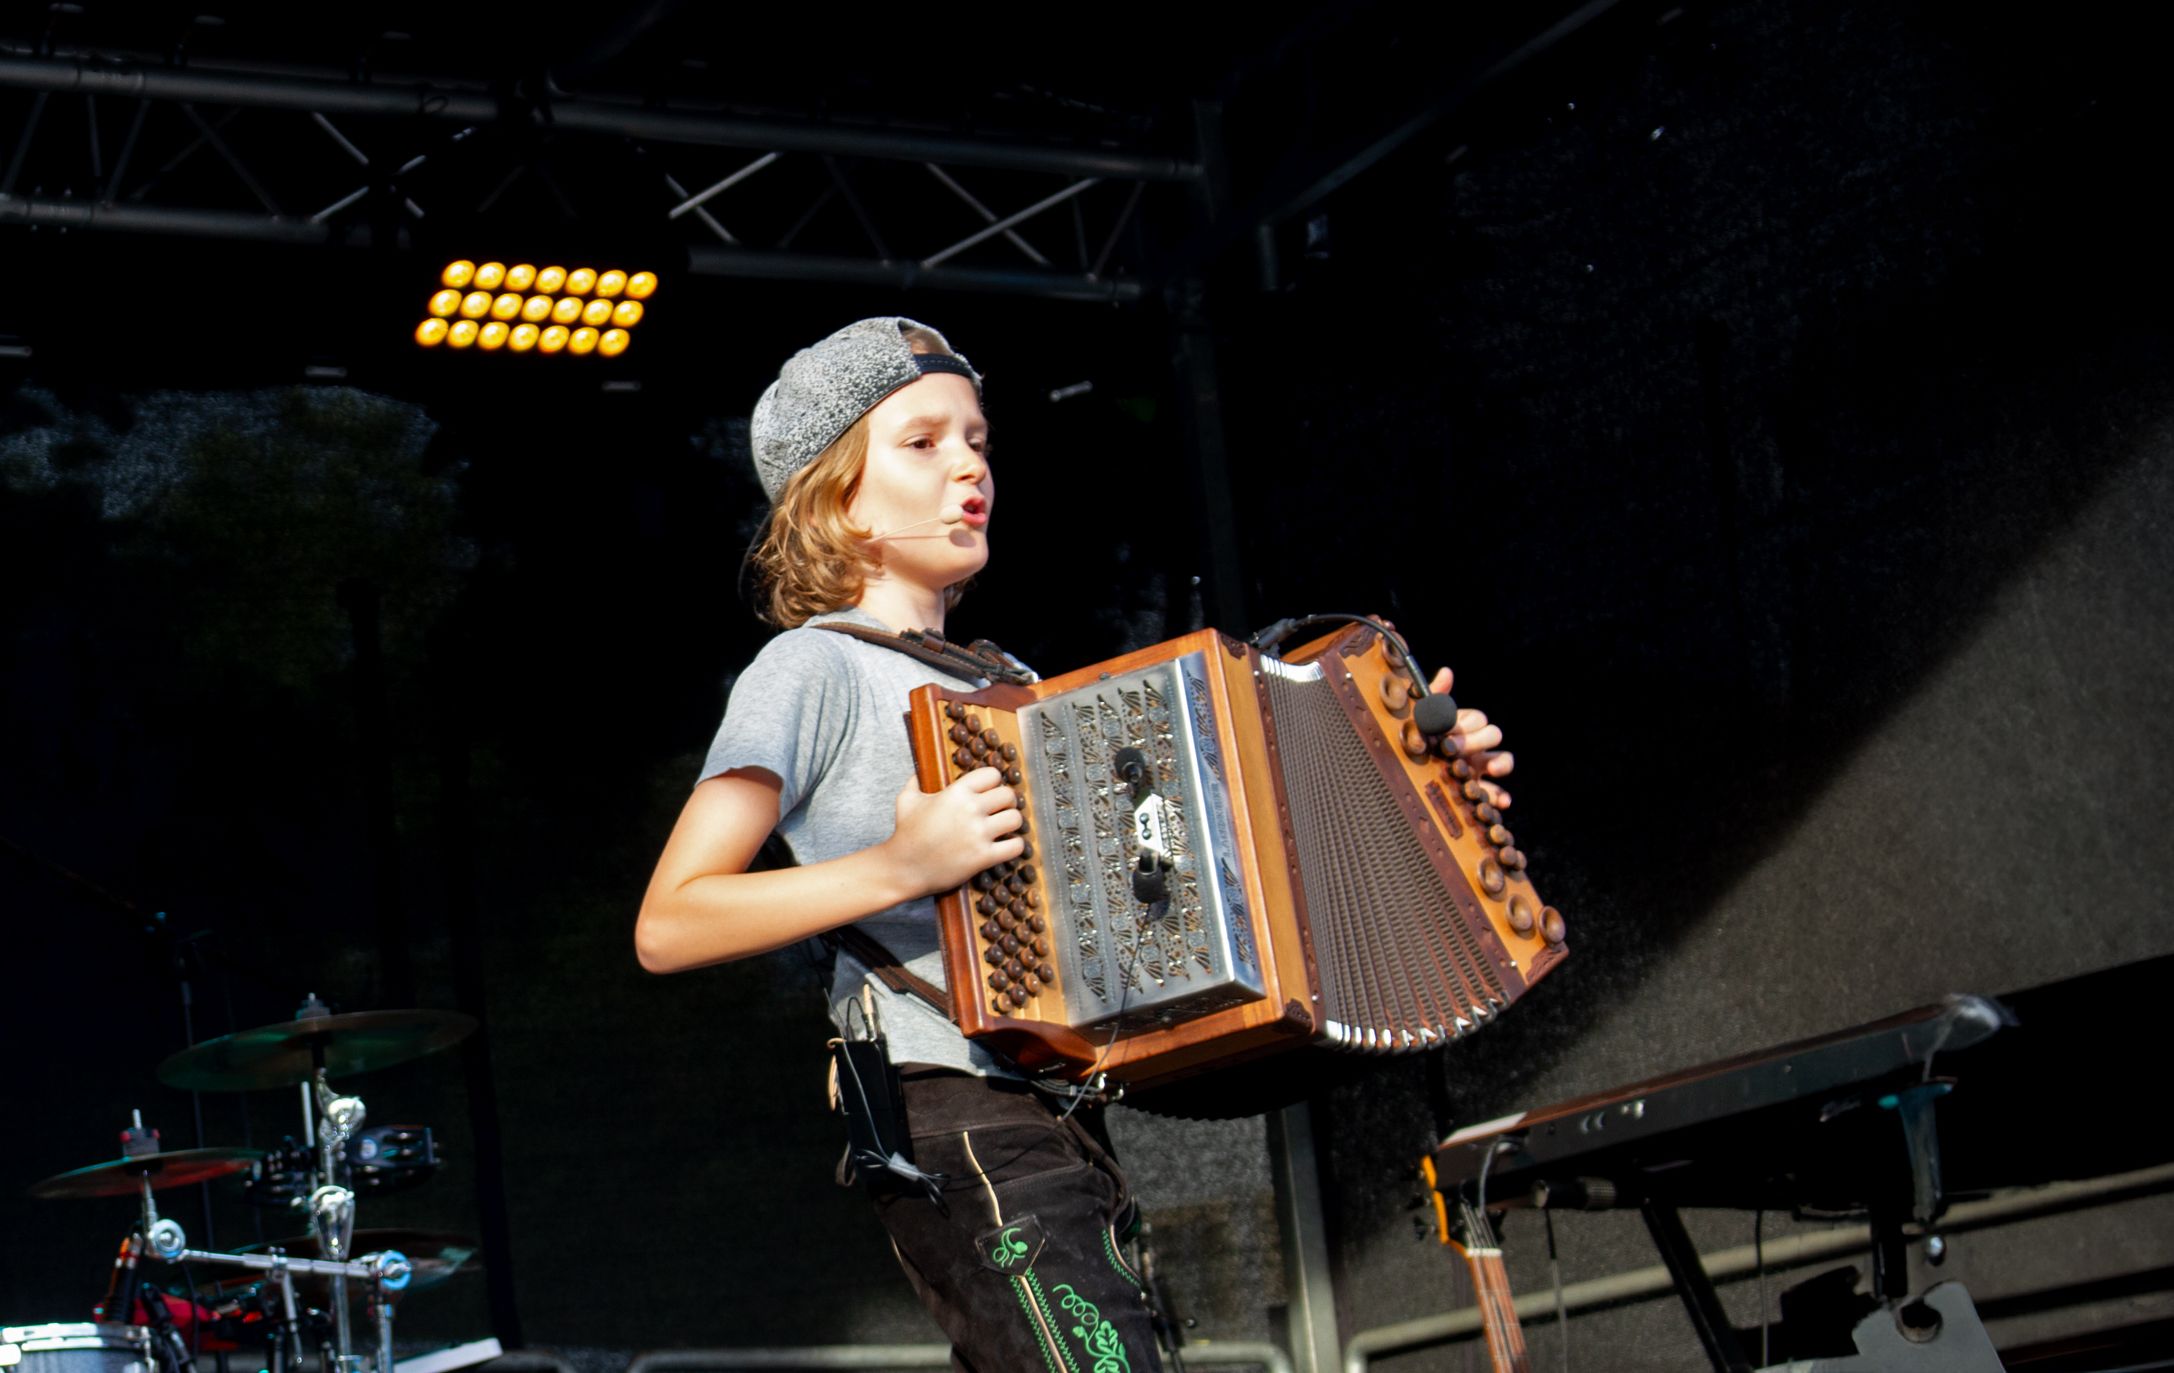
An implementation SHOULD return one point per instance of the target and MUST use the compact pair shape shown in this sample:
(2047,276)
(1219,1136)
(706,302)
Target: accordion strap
(980,659)
(885,965)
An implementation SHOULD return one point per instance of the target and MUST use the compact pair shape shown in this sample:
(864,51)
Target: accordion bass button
(1013,776)
(990,929)
(953,710)
(1008,752)
(1047,974)
(957,734)
(1491,879)
(1521,915)
(1037,923)
(1551,925)
(1415,743)
(989,738)
(962,760)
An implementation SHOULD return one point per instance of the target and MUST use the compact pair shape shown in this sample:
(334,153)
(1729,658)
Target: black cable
(1758,1259)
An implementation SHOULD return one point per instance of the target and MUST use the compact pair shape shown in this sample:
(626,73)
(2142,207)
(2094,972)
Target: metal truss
(313,158)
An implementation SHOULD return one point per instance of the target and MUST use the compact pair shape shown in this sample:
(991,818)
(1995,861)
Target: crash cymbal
(283,1054)
(435,1255)
(174,1168)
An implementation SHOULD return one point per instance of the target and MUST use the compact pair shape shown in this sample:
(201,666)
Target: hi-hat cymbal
(283,1054)
(174,1168)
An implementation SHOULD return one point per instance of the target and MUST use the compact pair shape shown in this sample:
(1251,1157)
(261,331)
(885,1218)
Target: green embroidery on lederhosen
(1109,1248)
(1041,1329)
(1096,1336)
(1034,1284)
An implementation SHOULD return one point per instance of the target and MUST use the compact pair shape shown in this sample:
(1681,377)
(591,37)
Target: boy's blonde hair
(813,559)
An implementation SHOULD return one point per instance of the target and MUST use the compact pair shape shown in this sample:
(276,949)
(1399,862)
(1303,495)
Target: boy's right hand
(943,838)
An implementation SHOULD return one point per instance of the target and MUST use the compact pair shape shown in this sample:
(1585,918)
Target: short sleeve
(789,713)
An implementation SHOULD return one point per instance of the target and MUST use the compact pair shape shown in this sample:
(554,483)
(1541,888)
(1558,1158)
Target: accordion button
(1040,948)
(1473,791)
(984,880)
(976,747)
(986,906)
(961,759)
(1027,872)
(1009,943)
(972,723)
(957,733)
(1396,693)
(999,980)
(1488,814)
(990,929)
(1047,974)
(1512,858)
(1521,915)
(993,956)
(954,710)
(998,1004)
(1032,896)
(1017,996)
(1551,925)
(1415,743)
(1032,983)
(1012,776)
(1498,836)
(989,738)
(1038,924)
(1026,851)
(1491,879)
(1009,752)
(1005,923)
(1458,767)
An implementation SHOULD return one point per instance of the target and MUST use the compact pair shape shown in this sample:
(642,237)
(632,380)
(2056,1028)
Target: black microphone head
(1436,714)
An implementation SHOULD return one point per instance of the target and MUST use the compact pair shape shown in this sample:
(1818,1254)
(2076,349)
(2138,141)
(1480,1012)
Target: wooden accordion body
(1328,879)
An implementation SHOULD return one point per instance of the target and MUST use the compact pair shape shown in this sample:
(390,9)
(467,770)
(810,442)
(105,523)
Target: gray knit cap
(821,390)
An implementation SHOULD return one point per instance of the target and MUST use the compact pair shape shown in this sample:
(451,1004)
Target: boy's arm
(703,906)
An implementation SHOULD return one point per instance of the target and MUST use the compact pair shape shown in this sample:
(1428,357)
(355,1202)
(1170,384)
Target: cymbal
(435,1255)
(283,1054)
(173,1168)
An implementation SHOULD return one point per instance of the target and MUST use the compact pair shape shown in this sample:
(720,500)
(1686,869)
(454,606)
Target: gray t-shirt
(827,714)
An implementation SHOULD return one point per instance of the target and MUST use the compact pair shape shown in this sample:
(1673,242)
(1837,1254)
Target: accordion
(1228,853)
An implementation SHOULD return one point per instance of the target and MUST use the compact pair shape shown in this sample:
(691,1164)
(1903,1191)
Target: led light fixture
(524,307)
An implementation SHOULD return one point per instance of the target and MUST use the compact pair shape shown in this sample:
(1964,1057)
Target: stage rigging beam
(1305,177)
(329,93)
(703,260)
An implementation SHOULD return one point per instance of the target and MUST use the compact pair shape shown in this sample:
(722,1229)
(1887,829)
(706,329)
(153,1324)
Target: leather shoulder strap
(877,959)
(980,659)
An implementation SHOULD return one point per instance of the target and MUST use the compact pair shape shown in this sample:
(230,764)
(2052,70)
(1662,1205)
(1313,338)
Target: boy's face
(927,446)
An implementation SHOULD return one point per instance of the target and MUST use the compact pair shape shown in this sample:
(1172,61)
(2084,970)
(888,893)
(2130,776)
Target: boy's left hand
(1479,742)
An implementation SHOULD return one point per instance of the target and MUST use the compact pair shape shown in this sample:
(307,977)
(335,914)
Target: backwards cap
(822,390)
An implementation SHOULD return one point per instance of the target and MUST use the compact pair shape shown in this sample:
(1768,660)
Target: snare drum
(78,1348)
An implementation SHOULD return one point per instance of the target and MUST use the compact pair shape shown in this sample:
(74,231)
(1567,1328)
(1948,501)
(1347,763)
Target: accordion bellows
(1228,854)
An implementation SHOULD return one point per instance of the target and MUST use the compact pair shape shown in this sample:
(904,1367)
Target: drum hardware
(320,1178)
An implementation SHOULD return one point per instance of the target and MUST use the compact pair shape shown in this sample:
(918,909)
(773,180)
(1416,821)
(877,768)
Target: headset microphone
(950,514)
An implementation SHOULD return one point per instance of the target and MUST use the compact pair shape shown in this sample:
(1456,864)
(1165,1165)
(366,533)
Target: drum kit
(294,1294)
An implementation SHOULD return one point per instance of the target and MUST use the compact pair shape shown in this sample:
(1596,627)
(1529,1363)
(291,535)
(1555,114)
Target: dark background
(1764,407)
